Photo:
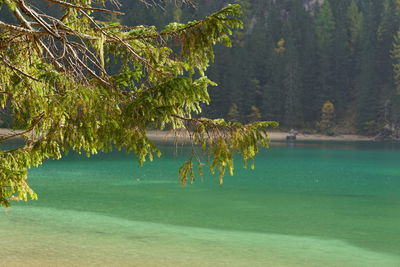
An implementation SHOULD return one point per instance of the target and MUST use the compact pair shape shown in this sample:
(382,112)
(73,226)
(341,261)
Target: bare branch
(8,64)
(82,64)
(116,38)
(19,133)
(18,28)
(32,14)
(69,5)
(50,38)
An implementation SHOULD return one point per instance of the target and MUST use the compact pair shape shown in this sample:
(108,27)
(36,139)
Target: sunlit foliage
(56,80)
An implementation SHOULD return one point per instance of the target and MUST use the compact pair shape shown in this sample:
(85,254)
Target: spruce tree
(354,21)
(367,84)
(342,62)
(310,82)
(325,33)
(55,79)
(293,34)
(395,53)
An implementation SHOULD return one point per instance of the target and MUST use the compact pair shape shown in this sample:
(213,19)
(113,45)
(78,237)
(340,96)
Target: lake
(305,204)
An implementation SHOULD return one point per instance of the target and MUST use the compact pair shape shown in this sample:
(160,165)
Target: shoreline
(281,136)
(5,132)
(169,136)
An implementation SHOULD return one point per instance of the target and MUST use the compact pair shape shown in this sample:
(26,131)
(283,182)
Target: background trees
(293,56)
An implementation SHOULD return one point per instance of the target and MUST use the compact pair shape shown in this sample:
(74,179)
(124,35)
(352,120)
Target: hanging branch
(58,67)
(69,5)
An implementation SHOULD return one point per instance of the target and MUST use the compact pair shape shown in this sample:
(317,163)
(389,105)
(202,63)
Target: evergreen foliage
(396,57)
(74,81)
(289,59)
(293,56)
(327,118)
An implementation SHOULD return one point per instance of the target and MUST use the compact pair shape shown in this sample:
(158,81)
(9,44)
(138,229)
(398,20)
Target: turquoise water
(305,204)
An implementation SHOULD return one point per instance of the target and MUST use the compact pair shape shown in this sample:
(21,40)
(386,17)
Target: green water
(305,204)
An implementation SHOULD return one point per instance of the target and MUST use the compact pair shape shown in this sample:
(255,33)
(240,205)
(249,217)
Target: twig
(19,29)
(36,122)
(69,5)
(17,69)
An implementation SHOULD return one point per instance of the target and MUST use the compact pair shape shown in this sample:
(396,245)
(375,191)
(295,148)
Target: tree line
(325,66)
(318,65)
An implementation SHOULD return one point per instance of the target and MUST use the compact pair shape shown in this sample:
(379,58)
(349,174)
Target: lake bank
(6,132)
(169,136)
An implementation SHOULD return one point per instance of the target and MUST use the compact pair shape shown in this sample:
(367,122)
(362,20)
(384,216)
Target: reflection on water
(305,204)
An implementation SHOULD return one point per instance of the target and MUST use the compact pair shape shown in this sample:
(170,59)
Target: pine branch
(69,5)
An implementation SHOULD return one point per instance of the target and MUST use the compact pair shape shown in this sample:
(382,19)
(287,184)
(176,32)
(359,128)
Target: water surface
(305,204)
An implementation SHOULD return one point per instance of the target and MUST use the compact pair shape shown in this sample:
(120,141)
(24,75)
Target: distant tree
(272,93)
(56,81)
(354,19)
(280,46)
(294,31)
(326,123)
(396,57)
(395,53)
(342,94)
(292,85)
(368,88)
(255,114)
(325,33)
(325,26)
(387,30)
(233,114)
(309,67)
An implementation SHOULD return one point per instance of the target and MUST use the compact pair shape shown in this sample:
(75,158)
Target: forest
(324,66)
(319,66)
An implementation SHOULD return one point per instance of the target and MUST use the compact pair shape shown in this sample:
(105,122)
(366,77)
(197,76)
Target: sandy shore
(278,136)
(274,136)
(167,136)
(5,132)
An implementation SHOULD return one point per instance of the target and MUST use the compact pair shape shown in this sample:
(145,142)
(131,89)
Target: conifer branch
(69,5)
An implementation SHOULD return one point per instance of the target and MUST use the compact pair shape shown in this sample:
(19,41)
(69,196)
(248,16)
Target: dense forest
(324,66)
(317,65)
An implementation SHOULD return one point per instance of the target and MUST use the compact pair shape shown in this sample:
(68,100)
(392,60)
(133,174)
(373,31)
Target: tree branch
(36,122)
(19,29)
(8,64)
(69,5)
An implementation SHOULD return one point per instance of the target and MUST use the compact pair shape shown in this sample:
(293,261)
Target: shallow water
(305,204)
